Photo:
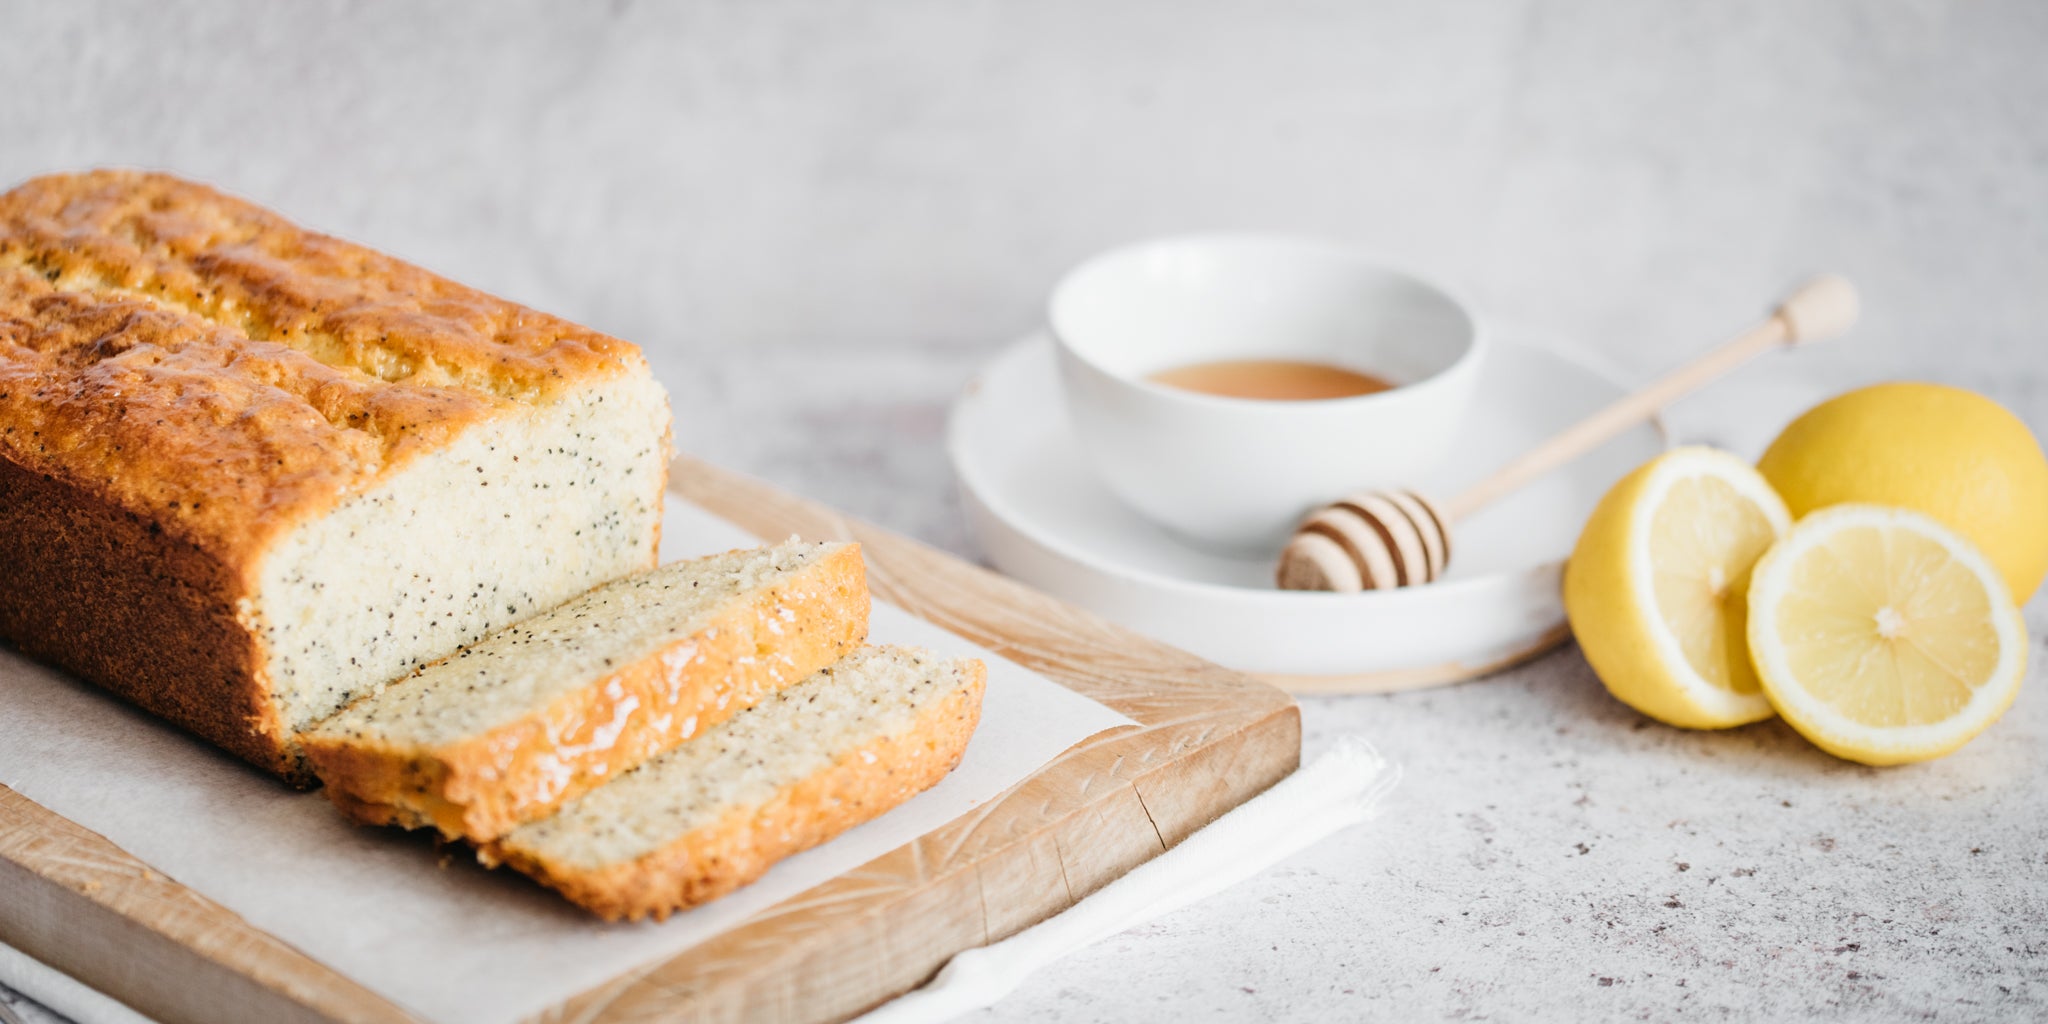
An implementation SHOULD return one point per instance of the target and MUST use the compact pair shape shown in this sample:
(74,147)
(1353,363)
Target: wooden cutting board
(1207,739)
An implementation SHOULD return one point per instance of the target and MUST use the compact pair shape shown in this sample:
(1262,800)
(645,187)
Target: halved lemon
(1883,636)
(1657,585)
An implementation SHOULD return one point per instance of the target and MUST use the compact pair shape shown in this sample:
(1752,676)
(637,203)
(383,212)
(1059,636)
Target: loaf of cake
(249,473)
(804,765)
(505,730)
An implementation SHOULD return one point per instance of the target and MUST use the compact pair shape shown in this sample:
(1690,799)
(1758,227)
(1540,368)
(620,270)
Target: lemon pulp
(1886,629)
(1704,539)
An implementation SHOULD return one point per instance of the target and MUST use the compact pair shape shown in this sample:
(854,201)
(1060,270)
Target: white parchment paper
(450,941)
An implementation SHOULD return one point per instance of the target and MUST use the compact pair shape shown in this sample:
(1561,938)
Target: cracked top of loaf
(204,363)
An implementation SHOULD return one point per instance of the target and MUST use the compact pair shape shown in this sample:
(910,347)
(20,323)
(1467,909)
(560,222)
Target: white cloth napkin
(61,992)
(1341,788)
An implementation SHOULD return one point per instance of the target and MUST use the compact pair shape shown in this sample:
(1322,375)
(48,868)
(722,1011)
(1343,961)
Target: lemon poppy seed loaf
(249,472)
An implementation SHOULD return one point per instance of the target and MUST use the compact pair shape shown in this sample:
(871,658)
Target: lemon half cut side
(1883,636)
(1657,587)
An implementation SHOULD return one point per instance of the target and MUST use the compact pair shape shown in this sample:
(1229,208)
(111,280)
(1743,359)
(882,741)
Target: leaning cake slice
(509,728)
(804,765)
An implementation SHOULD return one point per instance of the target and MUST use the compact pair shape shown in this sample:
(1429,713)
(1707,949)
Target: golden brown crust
(204,362)
(711,862)
(483,786)
(110,596)
(184,364)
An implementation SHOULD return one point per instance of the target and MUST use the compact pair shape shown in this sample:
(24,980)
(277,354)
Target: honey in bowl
(1275,380)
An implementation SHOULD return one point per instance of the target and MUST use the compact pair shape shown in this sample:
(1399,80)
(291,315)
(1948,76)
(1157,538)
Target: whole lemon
(1949,453)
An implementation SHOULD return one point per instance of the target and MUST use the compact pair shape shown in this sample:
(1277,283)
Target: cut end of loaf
(841,748)
(516,516)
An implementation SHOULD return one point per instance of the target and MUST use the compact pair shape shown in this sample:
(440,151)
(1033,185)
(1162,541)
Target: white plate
(1043,518)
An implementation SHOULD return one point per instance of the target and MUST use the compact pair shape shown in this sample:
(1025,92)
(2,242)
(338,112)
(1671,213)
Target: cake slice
(506,730)
(802,766)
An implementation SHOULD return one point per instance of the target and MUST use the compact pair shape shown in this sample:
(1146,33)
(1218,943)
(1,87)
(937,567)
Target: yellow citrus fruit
(1656,587)
(1953,454)
(1883,636)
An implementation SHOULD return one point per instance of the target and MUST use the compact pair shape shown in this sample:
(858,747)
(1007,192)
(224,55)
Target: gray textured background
(819,218)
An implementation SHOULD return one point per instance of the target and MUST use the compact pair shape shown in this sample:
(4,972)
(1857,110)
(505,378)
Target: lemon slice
(1656,587)
(1883,636)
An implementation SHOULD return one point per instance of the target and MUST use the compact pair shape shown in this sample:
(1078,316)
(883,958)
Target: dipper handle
(1822,308)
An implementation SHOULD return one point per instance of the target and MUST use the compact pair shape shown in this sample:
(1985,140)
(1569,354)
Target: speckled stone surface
(820,218)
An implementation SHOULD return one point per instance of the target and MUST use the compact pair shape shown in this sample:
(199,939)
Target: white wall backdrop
(815,213)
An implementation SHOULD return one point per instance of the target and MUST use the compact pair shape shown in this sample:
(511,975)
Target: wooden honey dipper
(1380,539)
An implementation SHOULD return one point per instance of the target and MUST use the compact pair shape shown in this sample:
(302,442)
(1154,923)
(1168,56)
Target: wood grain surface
(1206,739)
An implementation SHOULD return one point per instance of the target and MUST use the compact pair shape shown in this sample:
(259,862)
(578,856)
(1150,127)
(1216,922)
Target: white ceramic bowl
(1234,473)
